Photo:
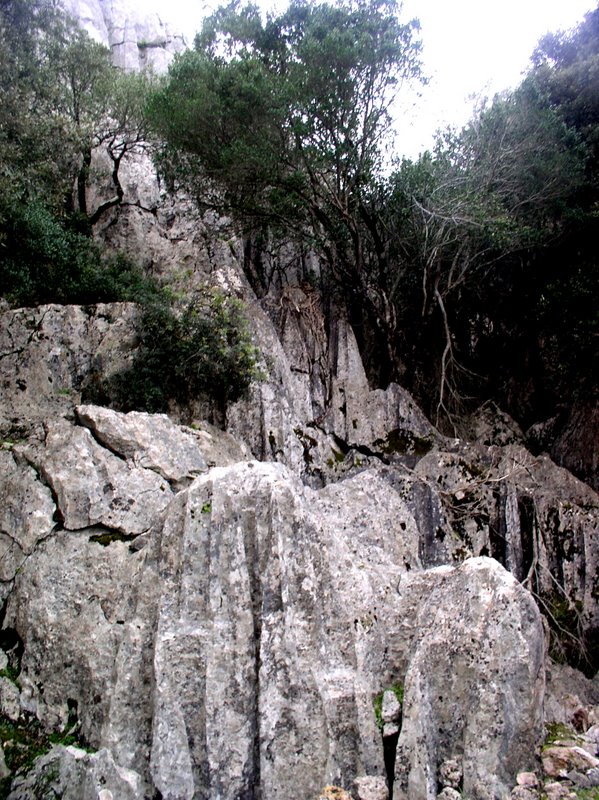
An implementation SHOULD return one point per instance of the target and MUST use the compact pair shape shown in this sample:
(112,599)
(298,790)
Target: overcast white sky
(471,47)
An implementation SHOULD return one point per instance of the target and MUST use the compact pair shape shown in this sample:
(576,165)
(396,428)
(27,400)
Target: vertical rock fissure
(527,514)
(391,718)
(253,567)
(389,755)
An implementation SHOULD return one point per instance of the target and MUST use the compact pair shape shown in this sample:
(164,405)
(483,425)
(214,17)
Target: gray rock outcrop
(220,625)
(137,39)
(48,353)
(241,639)
(26,515)
(225,615)
(150,441)
(461,701)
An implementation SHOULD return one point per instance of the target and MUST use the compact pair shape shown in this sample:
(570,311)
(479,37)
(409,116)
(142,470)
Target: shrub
(46,259)
(202,351)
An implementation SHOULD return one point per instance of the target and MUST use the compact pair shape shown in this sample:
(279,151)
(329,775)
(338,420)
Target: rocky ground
(220,618)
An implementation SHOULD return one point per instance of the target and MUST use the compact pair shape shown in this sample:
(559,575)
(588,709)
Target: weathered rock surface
(244,643)
(48,353)
(385,421)
(535,518)
(371,787)
(570,438)
(490,425)
(71,601)
(93,486)
(150,441)
(221,627)
(459,702)
(450,773)
(558,791)
(449,794)
(559,761)
(73,774)
(241,636)
(319,427)
(136,38)
(26,514)
(567,690)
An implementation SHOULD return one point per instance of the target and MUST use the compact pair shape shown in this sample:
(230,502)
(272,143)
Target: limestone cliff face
(137,39)
(223,629)
(216,613)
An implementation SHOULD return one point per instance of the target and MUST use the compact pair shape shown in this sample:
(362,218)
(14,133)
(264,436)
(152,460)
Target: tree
(566,71)
(282,124)
(122,131)
(60,98)
(36,148)
(468,216)
(102,105)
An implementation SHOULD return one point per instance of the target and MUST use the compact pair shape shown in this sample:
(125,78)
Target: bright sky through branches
(471,48)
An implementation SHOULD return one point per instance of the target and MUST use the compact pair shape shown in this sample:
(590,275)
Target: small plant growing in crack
(398,691)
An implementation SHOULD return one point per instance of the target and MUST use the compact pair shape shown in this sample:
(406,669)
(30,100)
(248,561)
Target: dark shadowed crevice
(526,512)
(389,755)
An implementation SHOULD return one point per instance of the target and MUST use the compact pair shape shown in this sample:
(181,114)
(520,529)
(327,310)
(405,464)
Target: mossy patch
(110,537)
(558,732)
(587,794)
(25,741)
(337,457)
(11,671)
(402,442)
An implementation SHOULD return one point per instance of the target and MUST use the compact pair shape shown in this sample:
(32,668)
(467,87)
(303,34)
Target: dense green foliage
(60,98)
(283,119)
(203,351)
(479,225)
(49,260)
(282,124)
(468,274)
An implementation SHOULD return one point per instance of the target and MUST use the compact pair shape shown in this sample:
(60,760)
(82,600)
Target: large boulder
(150,441)
(536,519)
(474,686)
(245,643)
(93,486)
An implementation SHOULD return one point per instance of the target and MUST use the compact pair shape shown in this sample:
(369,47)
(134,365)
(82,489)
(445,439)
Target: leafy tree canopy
(283,122)
(59,98)
(448,265)
(566,66)
(492,240)
(287,117)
